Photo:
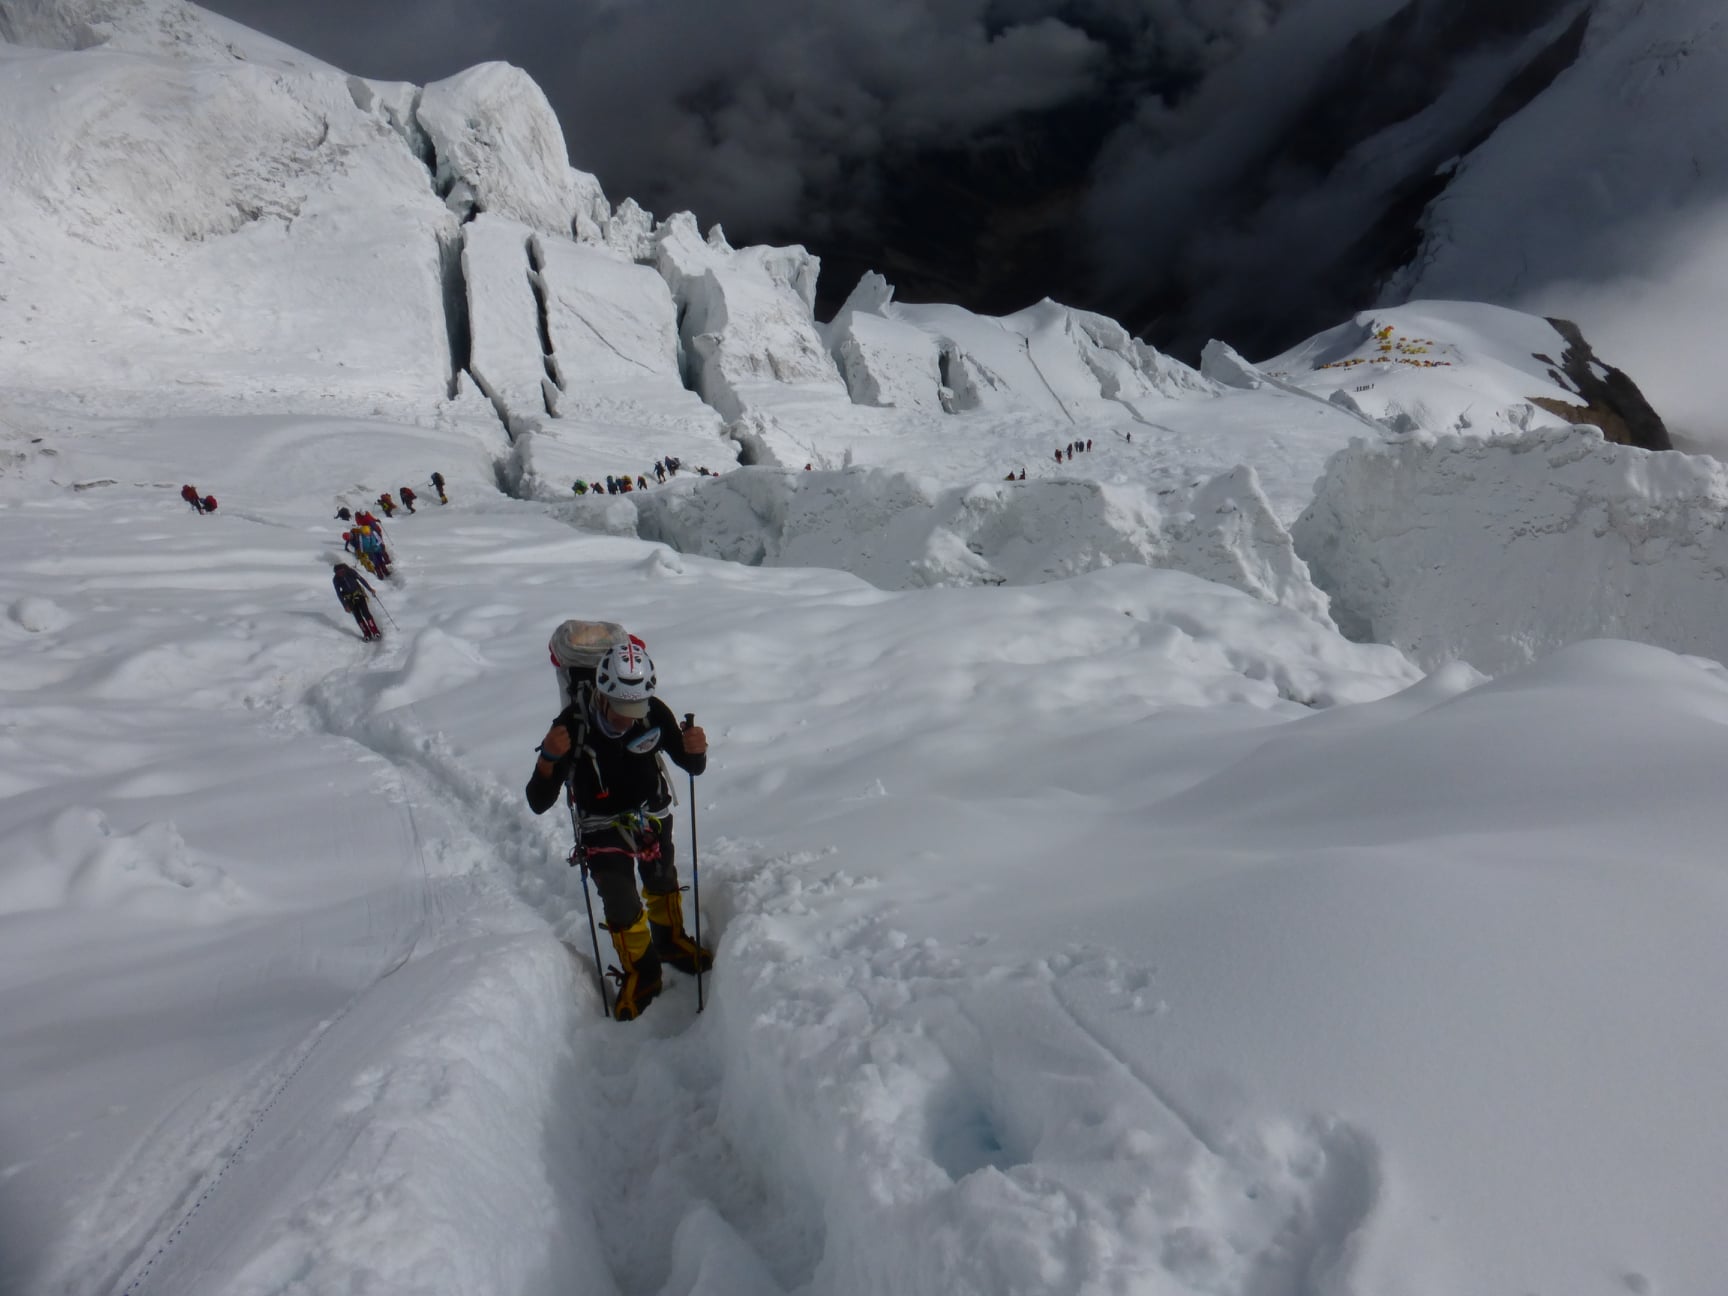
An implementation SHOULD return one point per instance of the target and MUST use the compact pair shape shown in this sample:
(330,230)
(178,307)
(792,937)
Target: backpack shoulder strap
(577,716)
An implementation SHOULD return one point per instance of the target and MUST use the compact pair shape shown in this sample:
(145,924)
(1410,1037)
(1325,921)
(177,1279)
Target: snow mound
(1498,551)
(500,149)
(75,858)
(1048,358)
(900,531)
(747,325)
(39,615)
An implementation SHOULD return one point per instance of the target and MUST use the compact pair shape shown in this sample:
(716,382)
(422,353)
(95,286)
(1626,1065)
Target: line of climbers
(625,484)
(364,538)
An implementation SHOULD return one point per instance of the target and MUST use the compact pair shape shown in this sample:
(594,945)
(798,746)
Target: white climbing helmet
(625,677)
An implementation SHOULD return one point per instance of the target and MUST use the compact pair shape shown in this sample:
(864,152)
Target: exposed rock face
(1611,401)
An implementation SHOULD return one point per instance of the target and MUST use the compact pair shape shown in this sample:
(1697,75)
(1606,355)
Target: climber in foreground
(605,746)
(352,588)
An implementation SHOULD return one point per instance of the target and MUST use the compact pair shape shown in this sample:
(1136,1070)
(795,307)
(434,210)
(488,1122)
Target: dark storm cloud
(765,114)
(733,107)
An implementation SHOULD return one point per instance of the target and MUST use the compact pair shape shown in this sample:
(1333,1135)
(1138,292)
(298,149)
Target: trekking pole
(386,612)
(581,860)
(695,875)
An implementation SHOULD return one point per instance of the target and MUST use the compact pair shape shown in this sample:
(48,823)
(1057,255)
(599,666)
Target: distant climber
(438,485)
(387,504)
(191,496)
(408,498)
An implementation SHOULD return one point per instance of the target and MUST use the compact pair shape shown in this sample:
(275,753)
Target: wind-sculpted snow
(172,28)
(175,231)
(1499,551)
(1048,358)
(500,149)
(746,322)
(900,531)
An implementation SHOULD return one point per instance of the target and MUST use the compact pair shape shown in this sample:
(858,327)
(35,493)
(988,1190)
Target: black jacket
(610,778)
(348,583)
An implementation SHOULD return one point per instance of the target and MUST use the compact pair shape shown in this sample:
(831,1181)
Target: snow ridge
(1048,357)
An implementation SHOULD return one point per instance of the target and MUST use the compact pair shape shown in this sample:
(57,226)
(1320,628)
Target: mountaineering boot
(638,970)
(671,942)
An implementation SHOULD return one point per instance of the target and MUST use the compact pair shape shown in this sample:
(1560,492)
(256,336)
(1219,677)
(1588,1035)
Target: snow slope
(1266,1023)
(1122,931)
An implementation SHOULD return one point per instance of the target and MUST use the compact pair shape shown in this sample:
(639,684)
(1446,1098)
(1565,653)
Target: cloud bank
(785,117)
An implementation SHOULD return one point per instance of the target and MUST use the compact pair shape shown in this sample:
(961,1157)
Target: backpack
(210,503)
(576,648)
